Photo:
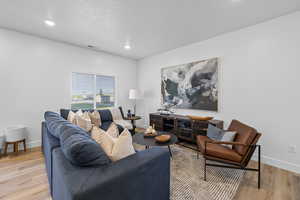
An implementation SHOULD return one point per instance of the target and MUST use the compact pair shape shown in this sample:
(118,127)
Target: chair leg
(204,169)
(258,184)
(5,148)
(16,145)
(24,144)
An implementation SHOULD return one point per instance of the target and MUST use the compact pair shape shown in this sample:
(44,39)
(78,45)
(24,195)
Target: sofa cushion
(216,150)
(106,125)
(244,134)
(80,149)
(106,115)
(54,122)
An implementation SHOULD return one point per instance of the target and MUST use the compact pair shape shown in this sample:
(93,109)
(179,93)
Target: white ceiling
(150,26)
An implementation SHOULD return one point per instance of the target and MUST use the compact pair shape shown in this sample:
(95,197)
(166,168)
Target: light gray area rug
(187,181)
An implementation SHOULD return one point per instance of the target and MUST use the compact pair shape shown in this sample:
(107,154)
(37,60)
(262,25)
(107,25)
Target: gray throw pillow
(214,133)
(228,137)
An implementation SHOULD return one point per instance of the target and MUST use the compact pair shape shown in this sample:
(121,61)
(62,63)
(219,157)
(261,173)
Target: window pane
(105,91)
(82,91)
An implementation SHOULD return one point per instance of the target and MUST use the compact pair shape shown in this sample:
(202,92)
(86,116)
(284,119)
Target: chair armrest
(223,142)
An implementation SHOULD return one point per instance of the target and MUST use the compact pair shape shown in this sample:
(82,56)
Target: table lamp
(134,95)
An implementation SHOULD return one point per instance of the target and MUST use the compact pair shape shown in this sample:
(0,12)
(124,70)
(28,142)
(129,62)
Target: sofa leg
(258,184)
(204,169)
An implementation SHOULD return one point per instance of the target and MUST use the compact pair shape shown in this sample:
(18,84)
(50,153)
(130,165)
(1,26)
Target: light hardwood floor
(23,177)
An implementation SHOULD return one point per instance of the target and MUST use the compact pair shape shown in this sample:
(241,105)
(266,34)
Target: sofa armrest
(144,175)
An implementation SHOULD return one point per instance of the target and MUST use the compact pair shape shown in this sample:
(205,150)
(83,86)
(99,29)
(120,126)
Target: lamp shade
(133,94)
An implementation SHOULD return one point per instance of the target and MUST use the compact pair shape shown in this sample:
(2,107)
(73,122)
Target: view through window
(90,91)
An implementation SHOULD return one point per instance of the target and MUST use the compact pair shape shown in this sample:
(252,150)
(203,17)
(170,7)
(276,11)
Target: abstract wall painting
(191,86)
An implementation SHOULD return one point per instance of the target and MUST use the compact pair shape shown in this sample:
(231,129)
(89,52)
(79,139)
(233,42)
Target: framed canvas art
(191,86)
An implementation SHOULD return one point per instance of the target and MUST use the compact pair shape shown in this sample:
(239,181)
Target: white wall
(258,82)
(35,76)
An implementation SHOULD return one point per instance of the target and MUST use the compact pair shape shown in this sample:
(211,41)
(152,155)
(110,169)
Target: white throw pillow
(105,141)
(79,112)
(84,121)
(123,146)
(115,148)
(113,130)
(228,137)
(116,114)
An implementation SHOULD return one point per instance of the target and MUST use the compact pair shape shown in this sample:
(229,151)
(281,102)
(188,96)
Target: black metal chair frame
(242,166)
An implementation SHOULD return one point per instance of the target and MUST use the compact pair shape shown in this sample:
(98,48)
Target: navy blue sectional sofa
(77,169)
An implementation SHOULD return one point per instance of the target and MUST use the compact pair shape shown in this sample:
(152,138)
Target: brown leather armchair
(238,156)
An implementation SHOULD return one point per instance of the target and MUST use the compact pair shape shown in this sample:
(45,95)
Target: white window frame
(95,76)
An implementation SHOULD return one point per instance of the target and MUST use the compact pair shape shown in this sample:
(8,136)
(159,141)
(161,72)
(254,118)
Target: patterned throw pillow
(214,133)
(81,119)
(95,118)
(71,117)
(113,130)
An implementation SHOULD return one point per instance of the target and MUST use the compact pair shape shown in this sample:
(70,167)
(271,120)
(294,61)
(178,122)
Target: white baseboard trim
(277,163)
(281,164)
(36,143)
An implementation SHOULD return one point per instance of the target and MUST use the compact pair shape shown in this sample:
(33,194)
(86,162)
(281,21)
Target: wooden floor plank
(23,176)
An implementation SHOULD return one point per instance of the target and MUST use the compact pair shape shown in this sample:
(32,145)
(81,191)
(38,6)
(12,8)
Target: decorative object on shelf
(191,86)
(200,118)
(150,132)
(134,95)
(165,110)
(162,138)
(129,113)
(15,135)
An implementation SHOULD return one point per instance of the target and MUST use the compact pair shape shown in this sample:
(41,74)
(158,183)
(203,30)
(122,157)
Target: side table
(133,119)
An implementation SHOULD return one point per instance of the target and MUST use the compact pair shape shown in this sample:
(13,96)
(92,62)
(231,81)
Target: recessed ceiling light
(49,23)
(236,1)
(127,47)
